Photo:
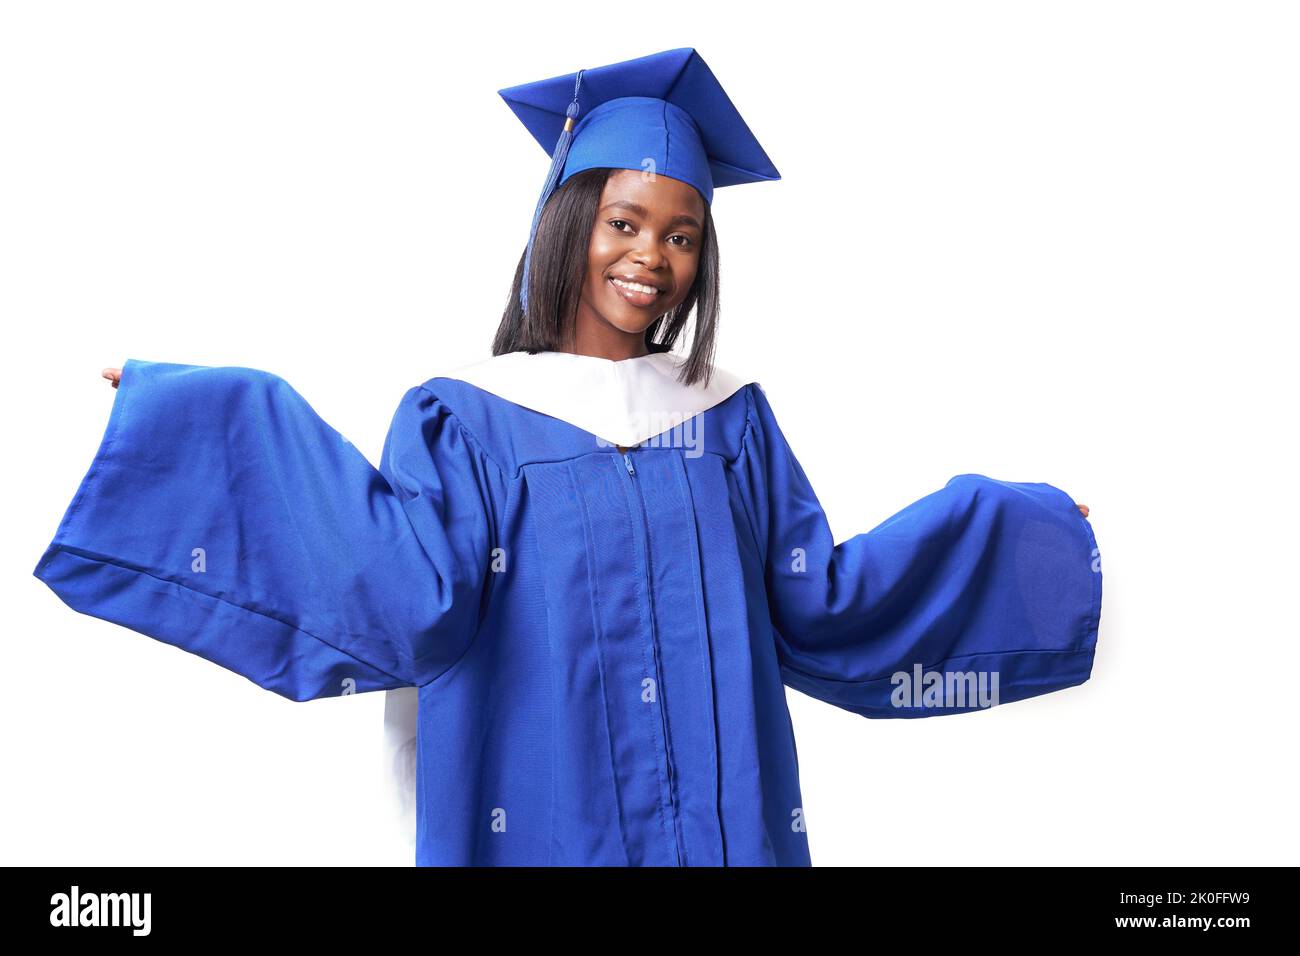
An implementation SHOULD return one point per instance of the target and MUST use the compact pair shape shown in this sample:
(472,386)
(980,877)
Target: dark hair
(559,267)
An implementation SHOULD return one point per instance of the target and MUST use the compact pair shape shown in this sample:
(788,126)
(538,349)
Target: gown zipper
(668,760)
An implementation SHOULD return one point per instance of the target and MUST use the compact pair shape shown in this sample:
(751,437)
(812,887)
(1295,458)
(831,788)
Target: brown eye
(615,222)
(686,240)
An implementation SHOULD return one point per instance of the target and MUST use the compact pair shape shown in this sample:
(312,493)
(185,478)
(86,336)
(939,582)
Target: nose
(647,252)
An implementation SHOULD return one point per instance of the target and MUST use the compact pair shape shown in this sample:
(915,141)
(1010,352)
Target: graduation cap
(664,113)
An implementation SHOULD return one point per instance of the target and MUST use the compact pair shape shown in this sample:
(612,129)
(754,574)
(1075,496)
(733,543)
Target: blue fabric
(641,133)
(667,108)
(600,639)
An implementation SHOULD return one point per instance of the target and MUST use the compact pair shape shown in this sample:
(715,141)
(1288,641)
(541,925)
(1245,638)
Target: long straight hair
(559,268)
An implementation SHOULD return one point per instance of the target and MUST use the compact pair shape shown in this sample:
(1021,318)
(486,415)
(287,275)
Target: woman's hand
(1083,510)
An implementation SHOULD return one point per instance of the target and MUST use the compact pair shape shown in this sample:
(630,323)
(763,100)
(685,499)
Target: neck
(598,338)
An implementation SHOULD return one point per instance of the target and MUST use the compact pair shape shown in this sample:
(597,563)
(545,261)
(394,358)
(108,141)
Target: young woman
(594,555)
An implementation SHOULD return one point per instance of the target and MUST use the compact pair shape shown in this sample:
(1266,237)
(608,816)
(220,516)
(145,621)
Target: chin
(627,318)
(634,328)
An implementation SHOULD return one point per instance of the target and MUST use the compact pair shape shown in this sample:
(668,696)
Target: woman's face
(644,251)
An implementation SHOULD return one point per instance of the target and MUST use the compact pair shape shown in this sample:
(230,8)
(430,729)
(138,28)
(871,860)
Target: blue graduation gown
(599,638)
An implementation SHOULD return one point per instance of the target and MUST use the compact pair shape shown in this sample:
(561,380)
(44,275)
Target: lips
(634,292)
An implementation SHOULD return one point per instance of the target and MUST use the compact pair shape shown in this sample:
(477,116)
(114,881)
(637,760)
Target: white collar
(624,402)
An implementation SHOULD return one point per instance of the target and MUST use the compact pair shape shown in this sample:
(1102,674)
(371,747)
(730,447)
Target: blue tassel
(558,158)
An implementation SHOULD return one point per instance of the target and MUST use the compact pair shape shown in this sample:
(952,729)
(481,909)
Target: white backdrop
(1037,241)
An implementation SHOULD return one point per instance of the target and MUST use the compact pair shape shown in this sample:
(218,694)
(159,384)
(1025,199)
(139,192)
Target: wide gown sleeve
(983,576)
(222,515)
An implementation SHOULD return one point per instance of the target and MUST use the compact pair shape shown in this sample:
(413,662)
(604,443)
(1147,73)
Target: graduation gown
(597,581)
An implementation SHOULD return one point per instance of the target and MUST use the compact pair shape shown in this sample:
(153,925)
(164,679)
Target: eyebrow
(640,210)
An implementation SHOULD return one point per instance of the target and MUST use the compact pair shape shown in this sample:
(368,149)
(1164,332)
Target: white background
(1037,241)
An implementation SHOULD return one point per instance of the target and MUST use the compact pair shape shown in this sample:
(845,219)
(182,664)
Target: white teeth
(635,286)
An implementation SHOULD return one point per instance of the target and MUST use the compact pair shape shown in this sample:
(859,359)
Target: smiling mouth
(636,293)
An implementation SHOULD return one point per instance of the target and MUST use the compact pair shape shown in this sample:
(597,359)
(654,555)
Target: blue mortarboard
(665,113)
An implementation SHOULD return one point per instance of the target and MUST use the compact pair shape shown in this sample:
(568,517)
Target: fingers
(114,375)
(1083,510)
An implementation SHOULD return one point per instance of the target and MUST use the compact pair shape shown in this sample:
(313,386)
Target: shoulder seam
(750,427)
(464,429)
